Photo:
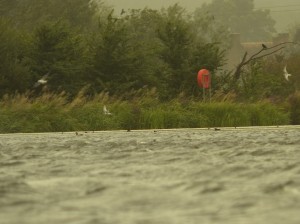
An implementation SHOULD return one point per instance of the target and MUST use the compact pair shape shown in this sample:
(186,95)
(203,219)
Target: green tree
(125,55)
(186,49)
(7,8)
(30,13)
(14,73)
(145,24)
(176,36)
(57,50)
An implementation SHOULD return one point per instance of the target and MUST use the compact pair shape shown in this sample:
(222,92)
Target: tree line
(86,43)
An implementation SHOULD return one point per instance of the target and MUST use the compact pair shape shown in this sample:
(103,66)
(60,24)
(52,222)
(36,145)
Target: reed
(54,112)
(294,107)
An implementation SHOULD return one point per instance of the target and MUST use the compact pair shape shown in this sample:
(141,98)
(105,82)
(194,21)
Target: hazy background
(286,13)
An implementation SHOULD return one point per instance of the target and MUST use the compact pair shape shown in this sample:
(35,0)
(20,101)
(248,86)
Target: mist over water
(249,175)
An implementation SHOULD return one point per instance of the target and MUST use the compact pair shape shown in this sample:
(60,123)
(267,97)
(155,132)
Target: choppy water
(187,176)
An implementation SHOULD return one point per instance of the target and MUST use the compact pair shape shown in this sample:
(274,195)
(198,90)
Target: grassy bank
(53,112)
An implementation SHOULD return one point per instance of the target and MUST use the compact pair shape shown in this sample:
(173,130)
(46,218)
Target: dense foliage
(85,44)
(81,43)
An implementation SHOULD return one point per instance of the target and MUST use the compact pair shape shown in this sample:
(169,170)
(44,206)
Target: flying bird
(286,74)
(106,111)
(42,81)
(264,46)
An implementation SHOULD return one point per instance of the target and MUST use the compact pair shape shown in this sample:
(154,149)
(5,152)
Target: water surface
(183,176)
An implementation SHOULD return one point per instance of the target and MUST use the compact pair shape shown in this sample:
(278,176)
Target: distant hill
(286,13)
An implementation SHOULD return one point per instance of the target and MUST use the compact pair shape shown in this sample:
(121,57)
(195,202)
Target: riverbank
(54,113)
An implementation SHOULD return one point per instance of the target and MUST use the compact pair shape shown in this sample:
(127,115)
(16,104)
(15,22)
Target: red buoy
(204,79)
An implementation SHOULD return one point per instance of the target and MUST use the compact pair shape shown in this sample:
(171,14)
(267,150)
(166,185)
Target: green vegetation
(50,112)
(119,58)
(90,44)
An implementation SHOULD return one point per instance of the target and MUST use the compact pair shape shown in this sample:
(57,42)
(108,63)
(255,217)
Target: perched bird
(264,46)
(42,81)
(122,12)
(286,74)
(106,111)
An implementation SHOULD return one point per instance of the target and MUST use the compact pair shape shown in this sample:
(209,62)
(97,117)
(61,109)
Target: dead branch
(238,71)
(264,55)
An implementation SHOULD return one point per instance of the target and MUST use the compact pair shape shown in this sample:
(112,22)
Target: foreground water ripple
(242,175)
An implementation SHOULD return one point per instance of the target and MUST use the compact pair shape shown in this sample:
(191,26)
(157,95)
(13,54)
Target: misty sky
(157,4)
(286,13)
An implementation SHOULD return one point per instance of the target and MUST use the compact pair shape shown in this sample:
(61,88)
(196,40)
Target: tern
(106,111)
(42,81)
(286,74)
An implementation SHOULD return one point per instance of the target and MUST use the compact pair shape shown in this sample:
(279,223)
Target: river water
(182,176)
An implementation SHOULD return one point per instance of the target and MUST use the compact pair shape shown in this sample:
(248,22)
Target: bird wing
(286,76)
(42,81)
(105,109)
(284,70)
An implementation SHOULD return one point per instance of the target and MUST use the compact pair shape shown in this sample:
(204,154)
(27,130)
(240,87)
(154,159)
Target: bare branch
(269,48)
(261,56)
(288,42)
(263,49)
(237,73)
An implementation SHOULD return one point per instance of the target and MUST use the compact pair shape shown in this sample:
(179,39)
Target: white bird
(106,111)
(41,81)
(286,74)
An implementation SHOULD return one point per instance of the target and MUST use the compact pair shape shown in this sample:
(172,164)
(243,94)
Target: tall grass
(55,112)
(294,107)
